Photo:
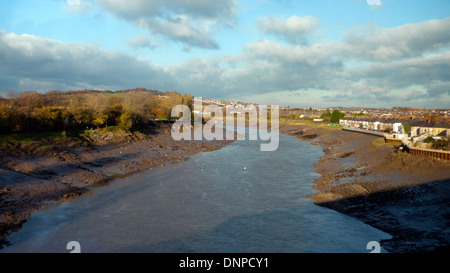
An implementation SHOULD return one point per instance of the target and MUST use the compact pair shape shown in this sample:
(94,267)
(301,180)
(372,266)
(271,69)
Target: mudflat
(407,196)
(36,175)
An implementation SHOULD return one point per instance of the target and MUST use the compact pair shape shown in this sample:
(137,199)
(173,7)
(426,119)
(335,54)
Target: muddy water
(206,204)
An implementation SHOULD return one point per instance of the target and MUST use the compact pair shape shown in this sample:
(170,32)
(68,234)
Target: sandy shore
(35,177)
(404,195)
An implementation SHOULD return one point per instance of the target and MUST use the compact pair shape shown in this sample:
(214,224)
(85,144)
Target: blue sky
(299,53)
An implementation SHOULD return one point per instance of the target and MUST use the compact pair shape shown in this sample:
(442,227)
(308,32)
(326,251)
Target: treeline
(91,91)
(334,116)
(32,112)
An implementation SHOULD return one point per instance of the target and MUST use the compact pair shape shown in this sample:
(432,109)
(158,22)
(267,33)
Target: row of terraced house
(395,128)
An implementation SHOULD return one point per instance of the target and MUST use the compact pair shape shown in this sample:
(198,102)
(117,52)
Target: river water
(205,204)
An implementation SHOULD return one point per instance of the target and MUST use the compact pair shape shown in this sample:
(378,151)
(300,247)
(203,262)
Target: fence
(396,140)
(428,152)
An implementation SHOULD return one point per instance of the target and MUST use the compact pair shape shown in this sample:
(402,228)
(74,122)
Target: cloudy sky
(301,53)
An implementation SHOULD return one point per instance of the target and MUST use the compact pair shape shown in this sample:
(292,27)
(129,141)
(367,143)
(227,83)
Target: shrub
(441,144)
(158,113)
(429,140)
(126,121)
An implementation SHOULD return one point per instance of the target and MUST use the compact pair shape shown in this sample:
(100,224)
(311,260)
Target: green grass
(38,137)
(381,142)
(378,142)
(290,120)
(23,139)
(28,138)
(323,124)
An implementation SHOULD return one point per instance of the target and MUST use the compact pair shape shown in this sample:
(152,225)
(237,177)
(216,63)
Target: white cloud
(180,29)
(141,41)
(77,7)
(32,62)
(191,23)
(294,29)
(264,49)
(387,44)
(194,8)
(422,70)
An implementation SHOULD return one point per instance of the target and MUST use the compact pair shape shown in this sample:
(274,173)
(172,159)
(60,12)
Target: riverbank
(361,176)
(404,195)
(38,174)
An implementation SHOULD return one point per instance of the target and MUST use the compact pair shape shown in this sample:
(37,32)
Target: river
(205,204)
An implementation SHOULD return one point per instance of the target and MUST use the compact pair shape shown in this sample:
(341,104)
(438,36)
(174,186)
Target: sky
(299,53)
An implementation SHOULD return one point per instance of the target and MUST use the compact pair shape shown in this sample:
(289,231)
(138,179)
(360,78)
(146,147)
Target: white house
(397,128)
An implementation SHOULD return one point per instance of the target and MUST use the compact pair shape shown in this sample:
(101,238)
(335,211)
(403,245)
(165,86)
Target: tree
(336,116)
(49,118)
(29,100)
(187,100)
(79,114)
(6,120)
(126,121)
(407,128)
(26,102)
(138,106)
(113,114)
(326,114)
(55,110)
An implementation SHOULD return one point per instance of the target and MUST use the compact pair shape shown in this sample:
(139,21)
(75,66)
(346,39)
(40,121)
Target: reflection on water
(205,204)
